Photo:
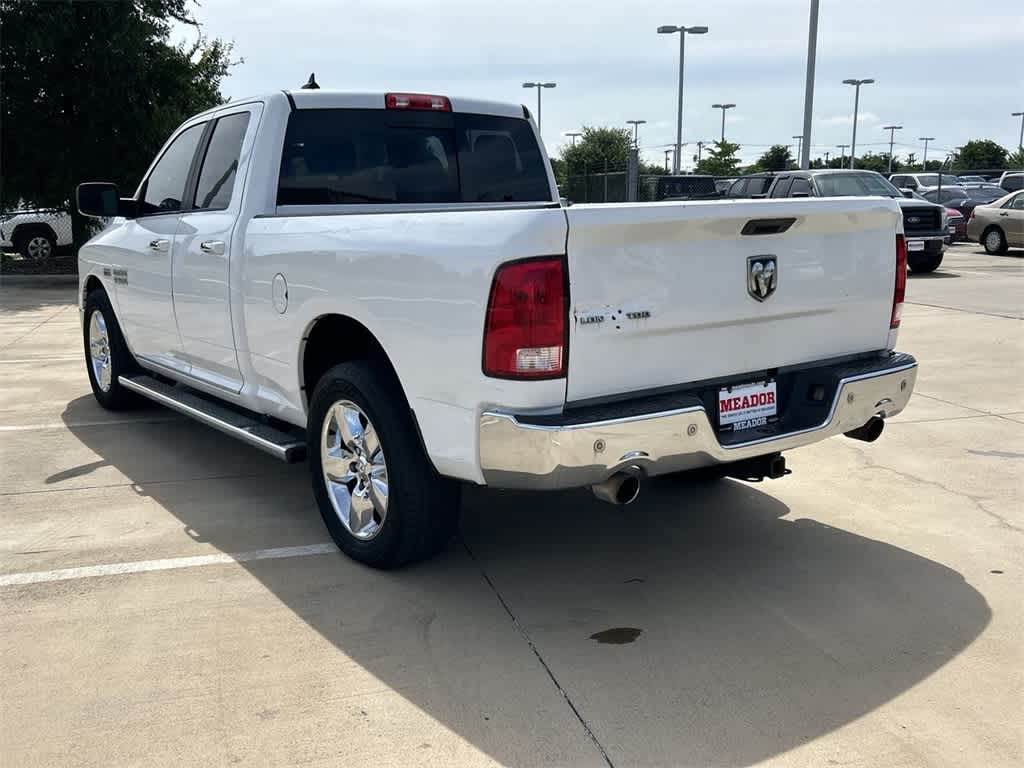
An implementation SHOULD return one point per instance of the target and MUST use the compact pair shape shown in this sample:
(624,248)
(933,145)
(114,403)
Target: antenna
(311,84)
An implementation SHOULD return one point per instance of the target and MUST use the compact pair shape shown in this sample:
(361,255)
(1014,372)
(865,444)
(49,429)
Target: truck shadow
(744,632)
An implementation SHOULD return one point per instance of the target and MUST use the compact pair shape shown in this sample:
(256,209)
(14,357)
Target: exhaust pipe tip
(620,489)
(868,432)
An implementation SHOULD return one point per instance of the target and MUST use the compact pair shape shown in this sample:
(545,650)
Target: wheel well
(92,283)
(335,339)
(24,230)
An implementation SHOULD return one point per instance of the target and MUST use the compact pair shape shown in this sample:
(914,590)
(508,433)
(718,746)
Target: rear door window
(378,156)
(220,166)
(800,186)
(738,188)
(781,189)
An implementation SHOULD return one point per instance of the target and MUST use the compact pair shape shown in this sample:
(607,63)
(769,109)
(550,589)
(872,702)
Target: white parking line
(168,564)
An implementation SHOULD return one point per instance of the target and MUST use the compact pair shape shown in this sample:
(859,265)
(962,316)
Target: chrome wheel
(993,241)
(39,247)
(354,469)
(99,350)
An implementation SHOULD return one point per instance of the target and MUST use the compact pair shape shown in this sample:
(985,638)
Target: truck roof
(328,99)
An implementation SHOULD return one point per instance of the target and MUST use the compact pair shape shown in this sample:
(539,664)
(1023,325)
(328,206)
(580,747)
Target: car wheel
(379,495)
(35,245)
(106,354)
(994,241)
(924,263)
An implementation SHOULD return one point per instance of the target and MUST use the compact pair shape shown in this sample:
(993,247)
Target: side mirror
(100,200)
(908,193)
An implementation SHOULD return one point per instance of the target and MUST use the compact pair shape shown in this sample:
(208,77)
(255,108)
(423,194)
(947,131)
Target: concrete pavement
(863,611)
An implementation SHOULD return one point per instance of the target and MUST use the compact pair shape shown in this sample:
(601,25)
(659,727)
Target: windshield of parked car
(985,194)
(932,179)
(851,184)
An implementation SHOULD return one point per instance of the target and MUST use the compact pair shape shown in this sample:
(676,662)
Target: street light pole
(842,148)
(856,104)
(925,139)
(668,153)
(826,159)
(723,107)
(700,149)
(812,46)
(683,31)
(538,86)
(892,132)
(572,135)
(636,131)
(1020,141)
(799,146)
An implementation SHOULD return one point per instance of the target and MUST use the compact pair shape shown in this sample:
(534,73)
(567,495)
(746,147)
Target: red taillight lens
(524,330)
(901,282)
(417,101)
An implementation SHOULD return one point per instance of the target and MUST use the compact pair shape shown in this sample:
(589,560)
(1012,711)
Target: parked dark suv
(922,221)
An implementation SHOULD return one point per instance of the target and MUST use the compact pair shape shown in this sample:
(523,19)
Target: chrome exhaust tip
(870,431)
(620,489)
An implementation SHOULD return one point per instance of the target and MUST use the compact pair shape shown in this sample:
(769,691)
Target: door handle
(1004,214)
(215,247)
(159,245)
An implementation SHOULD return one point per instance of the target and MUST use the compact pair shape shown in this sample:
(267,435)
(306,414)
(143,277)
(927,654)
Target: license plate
(915,245)
(747,405)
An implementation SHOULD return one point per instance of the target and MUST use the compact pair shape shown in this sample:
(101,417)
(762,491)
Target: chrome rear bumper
(517,454)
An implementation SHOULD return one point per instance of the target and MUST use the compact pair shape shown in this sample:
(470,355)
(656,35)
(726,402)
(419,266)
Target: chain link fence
(598,183)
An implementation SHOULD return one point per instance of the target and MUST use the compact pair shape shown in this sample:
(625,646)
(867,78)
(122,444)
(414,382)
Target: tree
(1016,160)
(982,153)
(92,90)
(719,160)
(597,146)
(777,158)
(872,162)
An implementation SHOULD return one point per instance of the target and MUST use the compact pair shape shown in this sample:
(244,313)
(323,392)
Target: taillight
(525,325)
(899,294)
(417,101)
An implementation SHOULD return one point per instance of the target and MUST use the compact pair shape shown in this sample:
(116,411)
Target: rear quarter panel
(419,281)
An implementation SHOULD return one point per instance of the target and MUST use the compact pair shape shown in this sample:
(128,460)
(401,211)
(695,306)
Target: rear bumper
(541,453)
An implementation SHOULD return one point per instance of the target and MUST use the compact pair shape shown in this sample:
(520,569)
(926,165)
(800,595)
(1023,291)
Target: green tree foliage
(982,153)
(1016,160)
(777,158)
(719,159)
(874,162)
(597,146)
(91,90)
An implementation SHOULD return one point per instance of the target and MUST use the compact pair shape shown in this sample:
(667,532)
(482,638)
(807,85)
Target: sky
(944,68)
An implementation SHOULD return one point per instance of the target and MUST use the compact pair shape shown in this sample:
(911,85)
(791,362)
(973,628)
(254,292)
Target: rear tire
(994,241)
(106,354)
(381,499)
(924,263)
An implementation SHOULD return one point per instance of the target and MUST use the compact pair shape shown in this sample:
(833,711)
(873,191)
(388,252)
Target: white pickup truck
(387,285)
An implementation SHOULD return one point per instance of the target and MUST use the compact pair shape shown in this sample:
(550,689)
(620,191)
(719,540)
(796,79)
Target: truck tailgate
(660,294)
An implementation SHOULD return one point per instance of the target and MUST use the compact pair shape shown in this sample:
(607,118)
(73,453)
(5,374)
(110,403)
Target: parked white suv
(918,182)
(388,285)
(35,234)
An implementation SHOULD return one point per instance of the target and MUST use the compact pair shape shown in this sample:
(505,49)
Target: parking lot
(864,611)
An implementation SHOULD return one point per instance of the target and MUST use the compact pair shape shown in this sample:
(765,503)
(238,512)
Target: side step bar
(279,444)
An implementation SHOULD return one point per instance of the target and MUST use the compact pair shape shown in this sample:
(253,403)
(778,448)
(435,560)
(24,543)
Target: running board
(279,444)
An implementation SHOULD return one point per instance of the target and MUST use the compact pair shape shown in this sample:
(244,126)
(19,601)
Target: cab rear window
(378,156)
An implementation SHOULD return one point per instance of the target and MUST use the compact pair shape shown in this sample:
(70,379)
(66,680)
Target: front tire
(379,496)
(106,354)
(35,245)
(994,241)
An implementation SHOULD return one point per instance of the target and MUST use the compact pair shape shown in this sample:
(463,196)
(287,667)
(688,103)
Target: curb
(38,281)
